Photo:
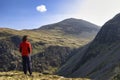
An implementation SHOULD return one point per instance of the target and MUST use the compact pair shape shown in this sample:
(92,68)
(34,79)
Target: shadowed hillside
(100,60)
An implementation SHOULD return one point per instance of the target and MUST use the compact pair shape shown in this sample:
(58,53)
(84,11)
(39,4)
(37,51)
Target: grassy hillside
(17,75)
(45,38)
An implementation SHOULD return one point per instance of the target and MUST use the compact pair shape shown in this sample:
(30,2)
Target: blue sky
(30,14)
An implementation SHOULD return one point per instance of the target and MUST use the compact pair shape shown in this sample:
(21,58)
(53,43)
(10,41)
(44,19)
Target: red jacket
(25,48)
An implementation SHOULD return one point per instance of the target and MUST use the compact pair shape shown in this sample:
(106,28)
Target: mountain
(76,27)
(100,59)
(51,47)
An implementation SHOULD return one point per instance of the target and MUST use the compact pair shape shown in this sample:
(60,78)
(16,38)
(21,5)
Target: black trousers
(27,65)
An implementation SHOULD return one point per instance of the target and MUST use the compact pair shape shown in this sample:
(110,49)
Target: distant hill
(76,27)
(100,59)
(51,47)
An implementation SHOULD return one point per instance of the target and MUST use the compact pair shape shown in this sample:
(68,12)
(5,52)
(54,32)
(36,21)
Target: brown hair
(25,38)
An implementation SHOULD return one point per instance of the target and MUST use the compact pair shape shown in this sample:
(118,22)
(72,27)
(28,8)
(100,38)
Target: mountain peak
(74,20)
(72,26)
(71,19)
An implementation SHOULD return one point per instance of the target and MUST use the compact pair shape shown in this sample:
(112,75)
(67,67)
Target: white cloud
(41,8)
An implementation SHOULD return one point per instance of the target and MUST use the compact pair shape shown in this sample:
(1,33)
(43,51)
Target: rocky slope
(53,57)
(100,59)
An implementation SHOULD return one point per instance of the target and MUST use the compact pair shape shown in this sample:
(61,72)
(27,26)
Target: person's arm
(30,48)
